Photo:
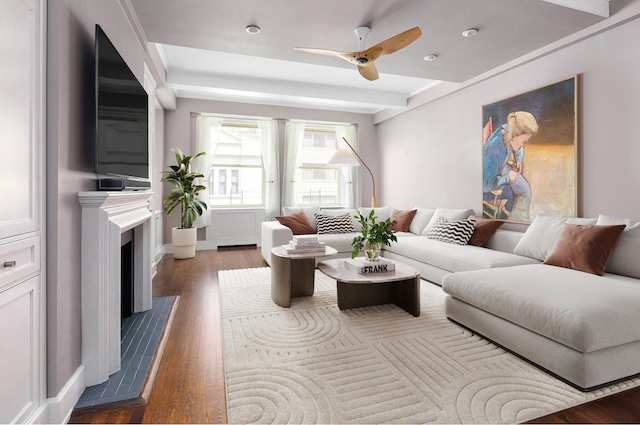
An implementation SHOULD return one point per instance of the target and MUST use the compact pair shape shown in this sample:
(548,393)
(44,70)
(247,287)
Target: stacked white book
(362,265)
(305,244)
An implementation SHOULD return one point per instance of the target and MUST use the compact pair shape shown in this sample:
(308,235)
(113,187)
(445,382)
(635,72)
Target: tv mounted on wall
(122,111)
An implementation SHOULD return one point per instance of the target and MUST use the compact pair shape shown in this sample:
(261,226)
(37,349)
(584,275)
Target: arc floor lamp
(345,158)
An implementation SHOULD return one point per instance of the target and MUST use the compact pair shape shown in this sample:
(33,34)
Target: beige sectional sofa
(578,326)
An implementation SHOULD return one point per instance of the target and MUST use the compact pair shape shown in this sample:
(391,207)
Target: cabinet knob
(10,263)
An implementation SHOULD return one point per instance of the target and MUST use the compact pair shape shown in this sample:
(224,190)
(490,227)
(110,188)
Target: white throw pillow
(537,241)
(624,259)
(382,213)
(421,219)
(342,211)
(448,213)
(310,212)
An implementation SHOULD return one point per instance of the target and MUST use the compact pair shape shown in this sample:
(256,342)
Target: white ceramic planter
(184,242)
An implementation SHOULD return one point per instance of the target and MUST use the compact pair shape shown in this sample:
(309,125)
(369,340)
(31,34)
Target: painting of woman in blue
(506,192)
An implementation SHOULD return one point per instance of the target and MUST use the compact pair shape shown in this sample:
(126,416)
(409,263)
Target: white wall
(178,127)
(70,169)
(433,153)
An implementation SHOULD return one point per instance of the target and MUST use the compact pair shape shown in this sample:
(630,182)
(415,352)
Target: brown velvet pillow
(297,222)
(402,219)
(584,247)
(483,230)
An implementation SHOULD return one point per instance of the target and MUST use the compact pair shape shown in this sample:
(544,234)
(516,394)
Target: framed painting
(530,154)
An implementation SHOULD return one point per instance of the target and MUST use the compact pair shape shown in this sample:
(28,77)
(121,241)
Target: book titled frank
(364,266)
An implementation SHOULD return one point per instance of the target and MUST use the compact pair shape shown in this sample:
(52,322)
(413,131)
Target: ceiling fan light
(253,29)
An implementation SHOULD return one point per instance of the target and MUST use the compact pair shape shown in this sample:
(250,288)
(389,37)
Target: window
(316,183)
(237,177)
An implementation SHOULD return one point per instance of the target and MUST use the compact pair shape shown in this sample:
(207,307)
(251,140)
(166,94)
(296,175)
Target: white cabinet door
(19,126)
(20,386)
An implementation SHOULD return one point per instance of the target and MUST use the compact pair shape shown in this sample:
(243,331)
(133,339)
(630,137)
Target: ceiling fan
(364,59)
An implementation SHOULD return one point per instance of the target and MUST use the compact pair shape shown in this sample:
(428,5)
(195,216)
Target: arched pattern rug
(313,363)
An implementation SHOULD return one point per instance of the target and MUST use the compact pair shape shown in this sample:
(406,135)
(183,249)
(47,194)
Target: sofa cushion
(452,231)
(421,219)
(624,259)
(449,213)
(297,222)
(340,241)
(453,258)
(381,213)
(334,223)
(583,311)
(584,247)
(483,230)
(402,219)
(541,234)
(310,212)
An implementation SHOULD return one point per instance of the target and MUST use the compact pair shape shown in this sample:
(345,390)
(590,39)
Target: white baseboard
(58,409)
(206,246)
(200,246)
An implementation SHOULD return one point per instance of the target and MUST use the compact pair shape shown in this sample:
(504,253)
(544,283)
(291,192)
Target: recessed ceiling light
(430,58)
(470,32)
(253,29)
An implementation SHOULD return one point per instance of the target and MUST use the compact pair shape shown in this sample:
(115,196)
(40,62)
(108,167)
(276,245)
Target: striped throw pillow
(334,224)
(457,231)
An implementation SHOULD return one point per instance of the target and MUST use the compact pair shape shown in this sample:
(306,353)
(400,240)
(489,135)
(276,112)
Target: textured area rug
(313,363)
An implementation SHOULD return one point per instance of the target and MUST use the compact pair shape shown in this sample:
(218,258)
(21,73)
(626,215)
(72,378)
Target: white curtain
(350,174)
(294,135)
(207,135)
(269,138)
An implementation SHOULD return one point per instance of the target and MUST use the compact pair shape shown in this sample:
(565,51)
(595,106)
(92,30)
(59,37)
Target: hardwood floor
(189,386)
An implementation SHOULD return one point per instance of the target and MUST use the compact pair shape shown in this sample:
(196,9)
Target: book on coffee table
(364,266)
(306,248)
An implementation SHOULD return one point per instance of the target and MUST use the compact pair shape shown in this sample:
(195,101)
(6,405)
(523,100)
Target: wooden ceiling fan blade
(325,52)
(398,41)
(368,71)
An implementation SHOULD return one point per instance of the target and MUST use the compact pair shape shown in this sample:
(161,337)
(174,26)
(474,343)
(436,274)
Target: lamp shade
(343,157)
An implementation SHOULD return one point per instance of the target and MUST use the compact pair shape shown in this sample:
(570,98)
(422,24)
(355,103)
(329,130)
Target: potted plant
(374,236)
(184,194)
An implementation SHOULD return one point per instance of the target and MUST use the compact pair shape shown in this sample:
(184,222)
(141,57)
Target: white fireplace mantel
(105,216)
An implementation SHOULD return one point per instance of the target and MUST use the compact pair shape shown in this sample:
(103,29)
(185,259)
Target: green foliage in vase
(184,192)
(375,232)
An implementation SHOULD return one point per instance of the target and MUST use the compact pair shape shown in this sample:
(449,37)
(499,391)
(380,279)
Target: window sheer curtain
(269,138)
(294,135)
(350,174)
(207,135)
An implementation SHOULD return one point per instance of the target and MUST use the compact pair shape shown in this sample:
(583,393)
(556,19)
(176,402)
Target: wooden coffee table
(292,275)
(400,287)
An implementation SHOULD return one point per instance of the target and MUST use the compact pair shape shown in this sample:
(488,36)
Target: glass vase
(372,250)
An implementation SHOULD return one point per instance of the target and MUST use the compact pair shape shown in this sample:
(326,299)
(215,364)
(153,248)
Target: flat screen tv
(122,110)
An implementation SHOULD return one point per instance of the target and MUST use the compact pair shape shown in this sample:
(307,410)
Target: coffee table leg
(291,278)
(280,281)
(356,295)
(302,277)
(405,294)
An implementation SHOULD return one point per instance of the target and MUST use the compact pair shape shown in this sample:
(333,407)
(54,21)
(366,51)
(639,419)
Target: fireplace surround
(105,217)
